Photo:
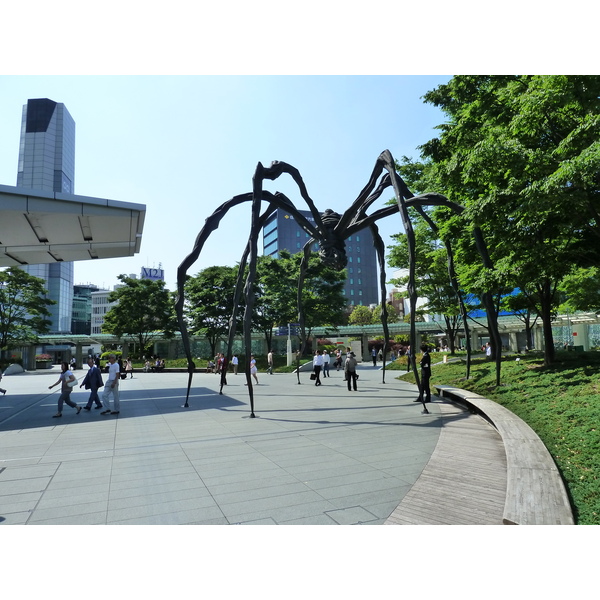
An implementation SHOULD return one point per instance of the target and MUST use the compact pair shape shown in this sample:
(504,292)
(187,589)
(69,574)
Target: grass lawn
(560,403)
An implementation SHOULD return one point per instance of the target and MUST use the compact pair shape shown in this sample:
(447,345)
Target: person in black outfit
(92,381)
(425,392)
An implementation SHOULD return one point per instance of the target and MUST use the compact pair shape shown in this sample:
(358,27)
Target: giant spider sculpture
(330,230)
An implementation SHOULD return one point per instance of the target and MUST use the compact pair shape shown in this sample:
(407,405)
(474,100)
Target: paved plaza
(313,455)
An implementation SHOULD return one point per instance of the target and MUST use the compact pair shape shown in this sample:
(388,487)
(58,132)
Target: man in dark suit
(92,381)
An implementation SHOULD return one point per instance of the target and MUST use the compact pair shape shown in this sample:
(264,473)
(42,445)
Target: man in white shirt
(112,387)
(326,359)
(317,366)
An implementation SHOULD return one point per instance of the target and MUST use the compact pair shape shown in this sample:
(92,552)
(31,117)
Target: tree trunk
(546,306)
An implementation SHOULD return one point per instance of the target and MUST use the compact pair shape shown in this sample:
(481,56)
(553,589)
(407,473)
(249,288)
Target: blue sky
(183,145)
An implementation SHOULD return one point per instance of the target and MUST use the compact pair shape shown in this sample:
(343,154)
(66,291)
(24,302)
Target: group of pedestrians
(321,362)
(93,382)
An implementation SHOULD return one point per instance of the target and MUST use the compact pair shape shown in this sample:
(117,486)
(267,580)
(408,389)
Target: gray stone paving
(321,456)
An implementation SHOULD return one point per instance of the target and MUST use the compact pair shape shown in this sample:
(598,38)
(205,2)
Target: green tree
(431,271)
(145,311)
(522,153)
(520,306)
(392,313)
(361,315)
(581,290)
(275,295)
(23,308)
(323,300)
(209,303)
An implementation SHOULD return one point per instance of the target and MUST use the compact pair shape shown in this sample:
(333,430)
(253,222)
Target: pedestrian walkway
(311,456)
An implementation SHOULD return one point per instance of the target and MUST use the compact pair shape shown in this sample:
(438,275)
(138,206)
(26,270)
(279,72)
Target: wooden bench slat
(535,491)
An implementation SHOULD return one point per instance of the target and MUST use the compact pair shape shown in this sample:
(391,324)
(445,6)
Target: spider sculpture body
(330,230)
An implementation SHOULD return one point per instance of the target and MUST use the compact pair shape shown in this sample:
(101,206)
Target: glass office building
(47,162)
(282,232)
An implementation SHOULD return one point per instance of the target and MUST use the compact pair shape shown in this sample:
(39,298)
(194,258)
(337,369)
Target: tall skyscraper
(282,232)
(47,162)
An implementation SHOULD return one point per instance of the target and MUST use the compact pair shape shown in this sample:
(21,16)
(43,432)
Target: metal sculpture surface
(330,230)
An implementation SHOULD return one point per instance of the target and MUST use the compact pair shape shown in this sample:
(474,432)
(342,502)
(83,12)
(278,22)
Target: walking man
(112,387)
(317,366)
(92,381)
(350,371)
(374,356)
(270,362)
(326,359)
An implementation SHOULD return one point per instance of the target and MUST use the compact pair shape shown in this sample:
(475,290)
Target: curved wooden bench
(535,491)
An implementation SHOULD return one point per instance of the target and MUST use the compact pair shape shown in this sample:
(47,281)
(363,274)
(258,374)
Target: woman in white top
(65,391)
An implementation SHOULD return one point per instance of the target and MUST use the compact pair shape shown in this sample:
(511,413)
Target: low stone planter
(44,364)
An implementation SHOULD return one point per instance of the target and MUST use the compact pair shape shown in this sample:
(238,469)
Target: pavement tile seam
(201,516)
(68,510)
(287,500)
(281,514)
(270,491)
(352,515)
(47,502)
(154,487)
(251,484)
(83,491)
(157,497)
(154,509)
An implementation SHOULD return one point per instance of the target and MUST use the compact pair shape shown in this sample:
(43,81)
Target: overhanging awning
(38,227)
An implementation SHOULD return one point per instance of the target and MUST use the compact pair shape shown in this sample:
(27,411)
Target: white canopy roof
(38,227)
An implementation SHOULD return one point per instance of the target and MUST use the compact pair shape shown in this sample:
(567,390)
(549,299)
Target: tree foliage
(23,308)
(432,278)
(209,303)
(210,294)
(145,311)
(522,154)
(361,315)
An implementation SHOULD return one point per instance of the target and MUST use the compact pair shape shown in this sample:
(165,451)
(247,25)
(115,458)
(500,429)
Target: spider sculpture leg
(211,224)
(398,185)
(301,322)
(384,316)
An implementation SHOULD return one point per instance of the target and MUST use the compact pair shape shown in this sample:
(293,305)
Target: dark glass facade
(282,232)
